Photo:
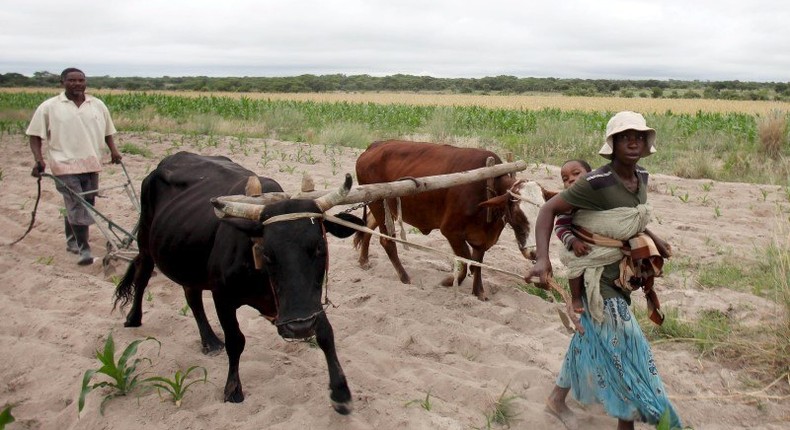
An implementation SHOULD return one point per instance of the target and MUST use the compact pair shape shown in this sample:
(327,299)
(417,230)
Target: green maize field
(720,143)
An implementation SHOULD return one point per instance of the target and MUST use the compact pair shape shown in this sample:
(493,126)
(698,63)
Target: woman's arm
(544,226)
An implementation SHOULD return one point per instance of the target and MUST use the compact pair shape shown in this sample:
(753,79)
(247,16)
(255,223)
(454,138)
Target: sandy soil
(397,343)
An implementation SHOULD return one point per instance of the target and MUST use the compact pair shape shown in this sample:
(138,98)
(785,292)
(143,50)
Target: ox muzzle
(298,328)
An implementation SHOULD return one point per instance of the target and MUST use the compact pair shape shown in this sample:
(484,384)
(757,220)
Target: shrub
(131,148)
(353,135)
(772,130)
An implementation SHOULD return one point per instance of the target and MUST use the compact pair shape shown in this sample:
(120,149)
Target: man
(74,125)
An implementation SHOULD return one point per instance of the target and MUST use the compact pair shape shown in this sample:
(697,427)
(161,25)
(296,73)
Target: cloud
(607,39)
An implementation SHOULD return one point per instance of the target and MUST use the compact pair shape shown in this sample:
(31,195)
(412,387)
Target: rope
(420,247)
(325,286)
(32,214)
(336,220)
(550,281)
(523,199)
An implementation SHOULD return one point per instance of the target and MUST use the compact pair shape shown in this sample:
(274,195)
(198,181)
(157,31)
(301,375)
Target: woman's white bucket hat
(623,121)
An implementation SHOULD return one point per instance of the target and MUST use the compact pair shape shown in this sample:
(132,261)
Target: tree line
(503,84)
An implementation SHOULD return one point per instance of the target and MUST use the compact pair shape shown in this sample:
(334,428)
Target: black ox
(180,234)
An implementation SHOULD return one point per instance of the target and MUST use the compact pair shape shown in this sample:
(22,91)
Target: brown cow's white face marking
(530,199)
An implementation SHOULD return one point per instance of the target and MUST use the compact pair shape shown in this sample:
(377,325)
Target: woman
(609,361)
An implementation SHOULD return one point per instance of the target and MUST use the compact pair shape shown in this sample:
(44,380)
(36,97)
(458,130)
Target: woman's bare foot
(555,405)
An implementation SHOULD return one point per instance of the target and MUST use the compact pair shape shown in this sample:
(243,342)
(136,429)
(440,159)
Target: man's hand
(38,169)
(115,157)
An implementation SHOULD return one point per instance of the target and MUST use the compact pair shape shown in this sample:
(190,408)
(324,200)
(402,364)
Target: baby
(570,171)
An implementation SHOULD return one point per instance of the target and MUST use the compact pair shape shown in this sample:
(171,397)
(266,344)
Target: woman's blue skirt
(612,364)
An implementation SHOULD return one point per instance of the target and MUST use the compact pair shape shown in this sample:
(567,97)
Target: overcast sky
(608,39)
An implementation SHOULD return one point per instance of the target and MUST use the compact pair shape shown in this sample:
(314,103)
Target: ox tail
(358,236)
(130,283)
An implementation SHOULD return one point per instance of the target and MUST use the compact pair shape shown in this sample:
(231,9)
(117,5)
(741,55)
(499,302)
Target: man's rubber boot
(71,241)
(81,234)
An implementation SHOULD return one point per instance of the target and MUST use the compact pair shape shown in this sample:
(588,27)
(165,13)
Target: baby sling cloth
(616,235)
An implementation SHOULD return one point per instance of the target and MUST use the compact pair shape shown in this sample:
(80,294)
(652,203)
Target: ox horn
(236,209)
(244,206)
(326,202)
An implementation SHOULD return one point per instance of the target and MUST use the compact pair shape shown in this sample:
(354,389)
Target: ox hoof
(213,348)
(132,323)
(482,297)
(447,282)
(236,396)
(343,408)
(365,266)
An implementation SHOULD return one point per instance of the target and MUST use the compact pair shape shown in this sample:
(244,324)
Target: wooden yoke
(384,190)
(489,189)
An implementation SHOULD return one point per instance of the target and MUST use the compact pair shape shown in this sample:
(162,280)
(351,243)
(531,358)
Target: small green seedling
(45,260)
(684,198)
(122,374)
(178,386)
(184,310)
(149,297)
(6,417)
(425,403)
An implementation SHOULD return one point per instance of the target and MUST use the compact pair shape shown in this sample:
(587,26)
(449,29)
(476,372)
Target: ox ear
(547,194)
(340,231)
(495,202)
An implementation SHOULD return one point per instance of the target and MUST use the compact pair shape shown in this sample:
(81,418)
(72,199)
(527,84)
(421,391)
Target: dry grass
(772,130)
(761,352)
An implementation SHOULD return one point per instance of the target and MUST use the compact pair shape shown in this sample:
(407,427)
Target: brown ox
(458,212)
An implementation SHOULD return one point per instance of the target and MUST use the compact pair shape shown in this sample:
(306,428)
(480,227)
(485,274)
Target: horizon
(89,75)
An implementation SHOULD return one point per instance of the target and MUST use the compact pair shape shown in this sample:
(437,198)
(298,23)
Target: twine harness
(552,284)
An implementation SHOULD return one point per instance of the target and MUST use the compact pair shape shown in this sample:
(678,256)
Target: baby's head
(571,170)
